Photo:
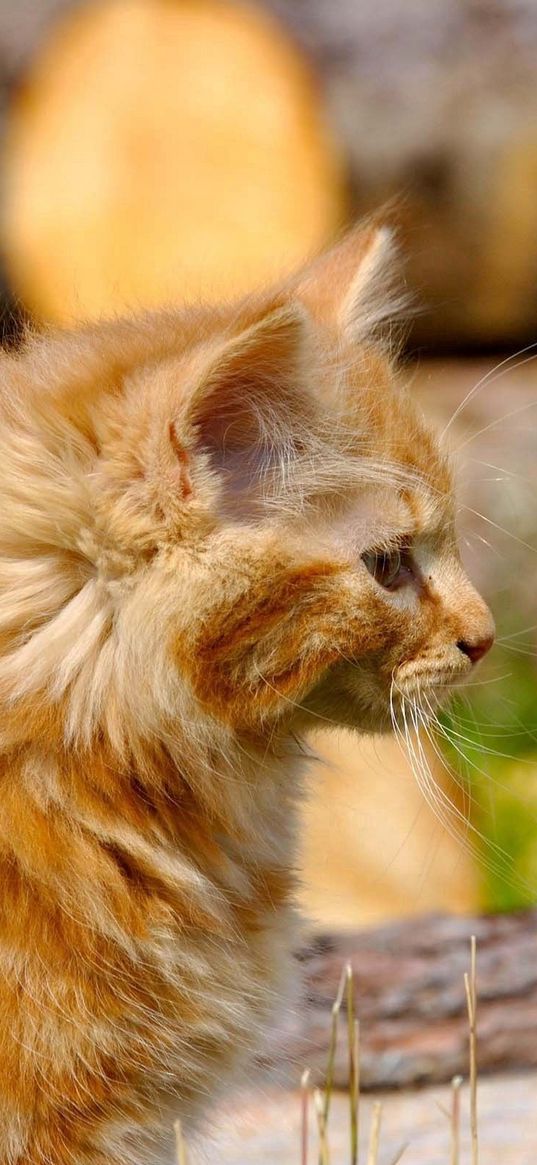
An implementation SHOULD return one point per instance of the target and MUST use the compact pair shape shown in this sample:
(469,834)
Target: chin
(334,704)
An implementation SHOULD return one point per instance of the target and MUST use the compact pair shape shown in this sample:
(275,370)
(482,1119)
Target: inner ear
(250,409)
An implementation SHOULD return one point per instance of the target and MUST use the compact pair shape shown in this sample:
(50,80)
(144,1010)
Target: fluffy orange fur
(217,526)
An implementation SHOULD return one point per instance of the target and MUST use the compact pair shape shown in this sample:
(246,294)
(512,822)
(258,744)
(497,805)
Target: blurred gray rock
(435,103)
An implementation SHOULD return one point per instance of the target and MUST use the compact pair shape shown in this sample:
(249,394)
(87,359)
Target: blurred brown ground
(266,1127)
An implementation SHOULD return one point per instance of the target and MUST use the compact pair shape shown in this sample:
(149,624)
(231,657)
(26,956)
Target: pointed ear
(253,381)
(250,405)
(353,287)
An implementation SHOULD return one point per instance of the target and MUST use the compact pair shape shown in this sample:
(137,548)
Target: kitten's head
(230,517)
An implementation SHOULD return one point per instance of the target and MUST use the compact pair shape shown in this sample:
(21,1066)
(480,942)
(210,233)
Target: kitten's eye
(389,568)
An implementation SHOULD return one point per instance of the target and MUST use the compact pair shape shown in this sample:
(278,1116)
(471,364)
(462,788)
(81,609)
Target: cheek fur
(255,660)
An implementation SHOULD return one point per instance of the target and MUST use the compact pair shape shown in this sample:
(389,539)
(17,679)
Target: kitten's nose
(476,650)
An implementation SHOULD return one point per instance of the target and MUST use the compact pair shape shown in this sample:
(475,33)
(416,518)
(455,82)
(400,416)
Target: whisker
(491,856)
(484,683)
(294,703)
(483,747)
(504,730)
(484,542)
(486,379)
(520,649)
(462,781)
(498,421)
(493,782)
(515,634)
(501,529)
(501,469)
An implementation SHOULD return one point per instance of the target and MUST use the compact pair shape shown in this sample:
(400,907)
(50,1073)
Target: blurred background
(160,150)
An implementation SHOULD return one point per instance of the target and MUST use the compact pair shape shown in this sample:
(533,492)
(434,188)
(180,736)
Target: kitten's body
(186,500)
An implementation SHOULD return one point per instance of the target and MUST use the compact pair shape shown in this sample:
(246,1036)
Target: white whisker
(488,379)
(498,421)
(501,529)
(491,856)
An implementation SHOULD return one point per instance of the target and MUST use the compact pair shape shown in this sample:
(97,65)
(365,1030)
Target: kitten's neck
(94,838)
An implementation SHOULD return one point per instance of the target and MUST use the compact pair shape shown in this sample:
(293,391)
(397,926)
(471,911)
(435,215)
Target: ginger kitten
(217,526)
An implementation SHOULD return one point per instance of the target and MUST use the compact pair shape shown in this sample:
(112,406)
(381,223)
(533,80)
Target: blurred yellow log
(372,848)
(161,150)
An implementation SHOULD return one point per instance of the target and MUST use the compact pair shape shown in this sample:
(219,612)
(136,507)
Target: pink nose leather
(476,651)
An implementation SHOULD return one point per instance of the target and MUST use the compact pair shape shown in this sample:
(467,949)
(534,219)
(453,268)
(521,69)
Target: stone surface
(409,996)
(264,1129)
(435,105)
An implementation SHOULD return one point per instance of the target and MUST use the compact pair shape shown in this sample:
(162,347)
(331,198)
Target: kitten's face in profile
(432,626)
(247,523)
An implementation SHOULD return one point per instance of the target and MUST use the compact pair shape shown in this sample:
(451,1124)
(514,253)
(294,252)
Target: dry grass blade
(399,1155)
(456,1085)
(336,1008)
(322,1117)
(180,1146)
(471,999)
(322,1099)
(305,1097)
(354,1082)
(324,1147)
(324,1150)
(374,1137)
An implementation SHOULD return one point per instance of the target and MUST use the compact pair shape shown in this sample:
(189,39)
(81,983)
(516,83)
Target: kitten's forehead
(392,432)
(375,516)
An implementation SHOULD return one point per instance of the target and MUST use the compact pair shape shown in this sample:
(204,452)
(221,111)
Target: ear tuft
(353,287)
(373,296)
